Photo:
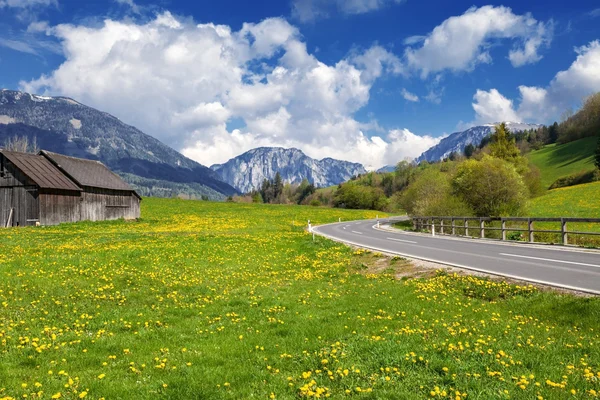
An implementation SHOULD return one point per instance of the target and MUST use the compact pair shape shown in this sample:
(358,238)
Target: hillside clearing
(217,300)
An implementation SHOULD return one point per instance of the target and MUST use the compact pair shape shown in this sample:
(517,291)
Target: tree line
(495,180)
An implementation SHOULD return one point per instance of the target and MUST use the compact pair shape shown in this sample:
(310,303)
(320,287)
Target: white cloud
(27,3)
(595,13)
(310,10)
(184,82)
(409,96)
(38,27)
(543,105)
(17,45)
(493,107)
(462,42)
(404,144)
(131,4)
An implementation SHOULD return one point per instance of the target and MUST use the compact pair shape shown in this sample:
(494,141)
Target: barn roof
(40,170)
(87,172)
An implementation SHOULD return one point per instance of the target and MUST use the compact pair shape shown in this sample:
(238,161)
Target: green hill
(556,161)
(573,201)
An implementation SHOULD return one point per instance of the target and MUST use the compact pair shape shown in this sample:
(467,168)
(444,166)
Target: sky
(370,81)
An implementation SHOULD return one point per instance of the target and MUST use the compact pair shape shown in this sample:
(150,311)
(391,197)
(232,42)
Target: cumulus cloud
(544,104)
(462,42)
(492,106)
(408,96)
(310,10)
(184,83)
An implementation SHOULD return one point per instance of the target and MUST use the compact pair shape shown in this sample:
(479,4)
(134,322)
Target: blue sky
(372,81)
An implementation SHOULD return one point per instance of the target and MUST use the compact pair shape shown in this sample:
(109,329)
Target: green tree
(469,150)
(503,144)
(277,186)
(597,155)
(430,194)
(491,187)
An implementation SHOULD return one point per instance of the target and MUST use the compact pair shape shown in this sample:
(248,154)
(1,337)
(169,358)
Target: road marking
(400,240)
(551,260)
(360,233)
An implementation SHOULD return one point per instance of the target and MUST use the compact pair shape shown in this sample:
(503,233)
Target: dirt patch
(403,268)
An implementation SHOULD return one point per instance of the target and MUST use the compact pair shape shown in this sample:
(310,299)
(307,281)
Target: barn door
(32,205)
(5,205)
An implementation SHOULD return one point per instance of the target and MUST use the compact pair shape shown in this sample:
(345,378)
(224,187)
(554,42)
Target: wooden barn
(49,188)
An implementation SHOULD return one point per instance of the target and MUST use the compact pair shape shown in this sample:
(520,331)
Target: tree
(430,194)
(469,150)
(553,132)
(597,155)
(503,145)
(491,187)
(277,186)
(22,144)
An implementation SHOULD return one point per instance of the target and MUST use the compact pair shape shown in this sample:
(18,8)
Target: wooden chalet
(49,189)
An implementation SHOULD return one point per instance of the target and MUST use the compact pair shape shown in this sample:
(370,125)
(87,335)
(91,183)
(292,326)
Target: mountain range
(457,141)
(247,171)
(65,126)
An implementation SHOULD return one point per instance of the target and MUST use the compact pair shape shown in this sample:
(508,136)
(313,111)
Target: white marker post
(432,229)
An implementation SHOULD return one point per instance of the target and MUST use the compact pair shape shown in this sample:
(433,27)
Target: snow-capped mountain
(246,172)
(457,141)
(65,126)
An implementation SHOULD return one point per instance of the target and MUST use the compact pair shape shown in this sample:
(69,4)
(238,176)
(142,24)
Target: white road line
(551,260)
(360,233)
(400,240)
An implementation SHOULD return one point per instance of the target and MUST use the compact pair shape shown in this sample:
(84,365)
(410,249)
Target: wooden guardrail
(438,225)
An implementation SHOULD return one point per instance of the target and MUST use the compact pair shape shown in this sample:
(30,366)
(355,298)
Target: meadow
(556,161)
(202,300)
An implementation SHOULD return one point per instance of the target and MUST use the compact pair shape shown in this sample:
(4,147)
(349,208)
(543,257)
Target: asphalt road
(566,268)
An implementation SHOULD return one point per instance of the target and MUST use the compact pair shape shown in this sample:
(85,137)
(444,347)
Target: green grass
(581,201)
(204,300)
(556,161)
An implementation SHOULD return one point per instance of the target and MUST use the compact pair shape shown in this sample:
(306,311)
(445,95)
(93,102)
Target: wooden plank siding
(10,176)
(58,206)
(106,204)
(33,204)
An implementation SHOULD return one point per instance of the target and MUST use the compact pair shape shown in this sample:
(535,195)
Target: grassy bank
(212,300)
(556,161)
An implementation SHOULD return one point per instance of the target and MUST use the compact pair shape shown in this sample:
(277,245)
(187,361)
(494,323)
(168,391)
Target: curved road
(567,268)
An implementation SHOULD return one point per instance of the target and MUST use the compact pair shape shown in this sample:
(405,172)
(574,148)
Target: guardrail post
(563,230)
(453,226)
(414,223)
(530,230)
(466,227)
(482,228)
(503,229)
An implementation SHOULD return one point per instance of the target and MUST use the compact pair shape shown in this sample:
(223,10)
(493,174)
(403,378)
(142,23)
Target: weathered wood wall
(58,206)
(18,192)
(11,176)
(104,204)
(52,207)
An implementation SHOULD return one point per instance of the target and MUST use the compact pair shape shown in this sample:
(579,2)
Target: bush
(577,178)
(357,196)
(491,187)
(431,194)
